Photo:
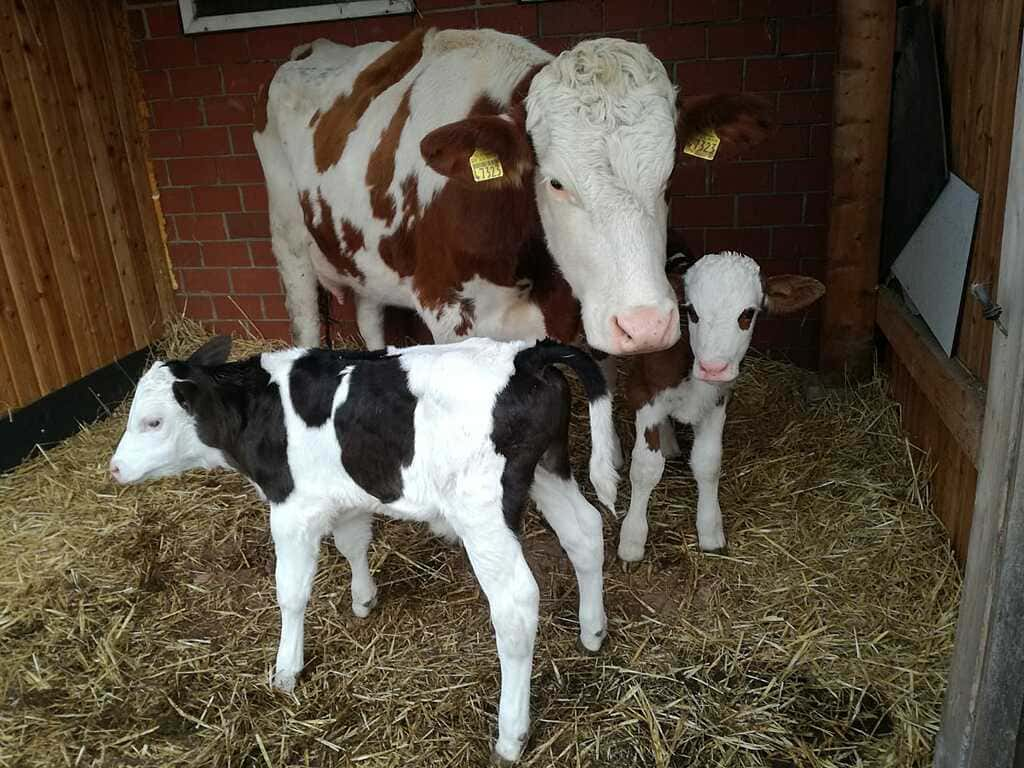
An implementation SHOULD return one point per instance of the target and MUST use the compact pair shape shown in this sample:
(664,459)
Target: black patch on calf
(313,380)
(375,427)
(239,411)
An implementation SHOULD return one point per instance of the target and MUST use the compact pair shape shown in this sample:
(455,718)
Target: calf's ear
(213,352)
(496,145)
(740,120)
(186,392)
(786,294)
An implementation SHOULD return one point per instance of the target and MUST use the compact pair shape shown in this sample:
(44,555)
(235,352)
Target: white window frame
(351,9)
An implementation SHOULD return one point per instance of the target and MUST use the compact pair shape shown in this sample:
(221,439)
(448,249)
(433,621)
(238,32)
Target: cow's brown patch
(313,118)
(398,250)
(342,258)
(380,171)
(653,438)
(467,313)
(335,125)
(656,372)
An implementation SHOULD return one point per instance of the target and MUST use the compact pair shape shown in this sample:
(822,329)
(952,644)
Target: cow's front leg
(512,594)
(296,548)
(645,470)
(611,375)
(352,538)
(706,463)
(370,320)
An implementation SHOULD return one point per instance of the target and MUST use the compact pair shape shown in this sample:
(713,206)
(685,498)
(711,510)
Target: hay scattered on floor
(139,626)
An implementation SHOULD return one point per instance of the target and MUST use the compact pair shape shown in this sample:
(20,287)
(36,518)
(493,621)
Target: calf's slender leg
(611,375)
(296,546)
(352,538)
(669,442)
(645,471)
(370,319)
(706,463)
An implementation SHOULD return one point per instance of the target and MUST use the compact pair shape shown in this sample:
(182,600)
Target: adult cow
(492,189)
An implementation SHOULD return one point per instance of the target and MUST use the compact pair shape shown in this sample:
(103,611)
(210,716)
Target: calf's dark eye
(556,184)
(746,318)
(154,423)
(691,313)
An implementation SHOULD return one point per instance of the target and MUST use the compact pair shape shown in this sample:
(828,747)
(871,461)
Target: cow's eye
(556,184)
(691,313)
(746,318)
(154,423)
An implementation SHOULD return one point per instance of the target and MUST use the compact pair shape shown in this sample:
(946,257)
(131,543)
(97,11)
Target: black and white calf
(721,296)
(455,435)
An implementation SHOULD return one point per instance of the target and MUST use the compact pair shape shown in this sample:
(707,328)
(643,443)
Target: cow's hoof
(501,762)
(362,610)
(631,552)
(722,550)
(582,647)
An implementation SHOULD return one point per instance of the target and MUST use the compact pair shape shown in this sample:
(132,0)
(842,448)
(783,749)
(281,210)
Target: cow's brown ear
(740,120)
(484,152)
(786,294)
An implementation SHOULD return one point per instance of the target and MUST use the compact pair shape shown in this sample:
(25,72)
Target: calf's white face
(602,121)
(724,293)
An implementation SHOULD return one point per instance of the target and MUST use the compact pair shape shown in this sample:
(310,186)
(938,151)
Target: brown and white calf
(469,176)
(721,295)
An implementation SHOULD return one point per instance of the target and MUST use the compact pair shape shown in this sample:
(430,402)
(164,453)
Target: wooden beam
(863,84)
(981,724)
(957,397)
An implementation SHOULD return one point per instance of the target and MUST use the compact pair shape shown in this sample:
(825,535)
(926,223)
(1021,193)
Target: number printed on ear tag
(704,145)
(485,165)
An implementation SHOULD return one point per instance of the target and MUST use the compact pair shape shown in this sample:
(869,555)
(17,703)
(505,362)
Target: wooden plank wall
(83,279)
(979,56)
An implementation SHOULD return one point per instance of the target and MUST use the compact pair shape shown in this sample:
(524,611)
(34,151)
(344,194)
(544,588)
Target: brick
(555,45)
(807,35)
(686,11)
(802,175)
(163,21)
(196,307)
(823,7)
(380,28)
(262,253)
(168,52)
(753,8)
(694,240)
(163,178)
(703,211)
(762,210)
(710,76)
(464,19)
(571,17)
(136,24)
(275,43)
(274,308)
(247,78)
(690,179)
(175,113)
(635,14)
(216,199)
(196,81)
(204,142)
(156,85)
(513,19)
(185,255)
(753,241)
(228,110)
(164,143)
(741,39)
(789,74)
(256,281)
(205,280)
(139,55)
(675,43)
(824,70)
(805,107)
(176,201)
(223,48)
(788,141)
(201,227)
(239,169)
(821,141)
(244,225)
(241,140)
(230,328)
(254,197)
(816,208)
(729,178)
(341,31)
(238,307)
(190,171)
(227,254)
(274,329)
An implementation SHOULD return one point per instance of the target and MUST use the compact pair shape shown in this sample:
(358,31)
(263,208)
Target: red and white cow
(490,188)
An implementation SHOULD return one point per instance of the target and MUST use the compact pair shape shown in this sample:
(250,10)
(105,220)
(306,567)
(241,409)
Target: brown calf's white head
(723,295)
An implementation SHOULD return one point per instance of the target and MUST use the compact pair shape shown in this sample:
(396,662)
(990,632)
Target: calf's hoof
(631,551)
(509,753)
(284,681)
(722,550)
(596,640)
(362,610)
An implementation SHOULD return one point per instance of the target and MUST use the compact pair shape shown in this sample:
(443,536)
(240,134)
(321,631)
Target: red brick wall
(771,204)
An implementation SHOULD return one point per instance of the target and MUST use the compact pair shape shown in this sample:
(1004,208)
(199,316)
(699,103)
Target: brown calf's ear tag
(485,165)
(703,145)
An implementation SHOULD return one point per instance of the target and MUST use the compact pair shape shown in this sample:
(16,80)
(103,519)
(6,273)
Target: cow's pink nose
(115,471)
(712,368)
(647,329)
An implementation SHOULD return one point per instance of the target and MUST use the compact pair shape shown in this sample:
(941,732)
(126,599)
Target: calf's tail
(603,475)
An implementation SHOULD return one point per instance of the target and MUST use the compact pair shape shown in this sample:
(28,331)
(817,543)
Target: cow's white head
(723,293)
(161,438)
(597,141)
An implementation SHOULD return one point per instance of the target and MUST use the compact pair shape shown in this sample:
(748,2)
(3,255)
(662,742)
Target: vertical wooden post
(863,84)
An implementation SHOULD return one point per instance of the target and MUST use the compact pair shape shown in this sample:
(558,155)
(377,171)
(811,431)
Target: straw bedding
(139,625)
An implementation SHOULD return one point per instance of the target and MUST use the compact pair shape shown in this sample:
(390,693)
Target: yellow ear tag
(485,165)
(704,145)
